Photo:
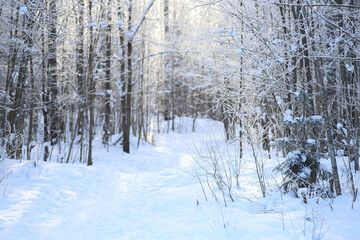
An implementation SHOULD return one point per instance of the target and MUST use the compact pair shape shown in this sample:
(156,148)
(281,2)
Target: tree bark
(328,128)
(91,90)
(108,124)
(127,122)
(52,73)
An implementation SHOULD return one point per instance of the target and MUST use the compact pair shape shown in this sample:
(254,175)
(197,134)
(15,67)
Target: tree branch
(136,28)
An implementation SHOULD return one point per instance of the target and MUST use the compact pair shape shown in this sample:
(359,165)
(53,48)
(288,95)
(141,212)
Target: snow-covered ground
(150,194)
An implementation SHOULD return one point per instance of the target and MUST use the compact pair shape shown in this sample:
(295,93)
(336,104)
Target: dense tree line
(281,75)
(71,68)
(286,74)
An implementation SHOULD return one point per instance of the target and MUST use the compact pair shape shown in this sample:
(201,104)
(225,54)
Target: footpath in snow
(148,194)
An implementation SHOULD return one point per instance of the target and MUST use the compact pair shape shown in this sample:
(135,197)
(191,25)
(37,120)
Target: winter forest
(179,119)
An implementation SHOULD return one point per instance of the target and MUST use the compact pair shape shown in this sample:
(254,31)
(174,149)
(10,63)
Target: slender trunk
(31,113)
(91,90)
(167,88)
(354,118)
(80,71)
(29,43)
(305,62)
(108,124)
(127,122)
(45,100)
(328,127)
(52,74)
(122,75)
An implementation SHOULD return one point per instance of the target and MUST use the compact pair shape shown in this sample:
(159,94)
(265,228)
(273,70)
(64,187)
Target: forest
(257,94)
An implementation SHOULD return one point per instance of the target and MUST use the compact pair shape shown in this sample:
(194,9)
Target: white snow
(23,10)
(311,141)
(316,118)
(239,51)
(350,68)
(149,194)
(93,24)
(277,41)
(288,115)
(293,48)
(118,22)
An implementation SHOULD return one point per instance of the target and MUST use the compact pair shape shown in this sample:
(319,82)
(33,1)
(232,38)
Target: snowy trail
(120,197)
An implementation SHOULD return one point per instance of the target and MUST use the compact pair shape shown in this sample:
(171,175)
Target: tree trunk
(52,74)
(32,95)
(167,88)
(328,127)
(91,90)
(122,75)
(127,122)
(108,124)
(80,68)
